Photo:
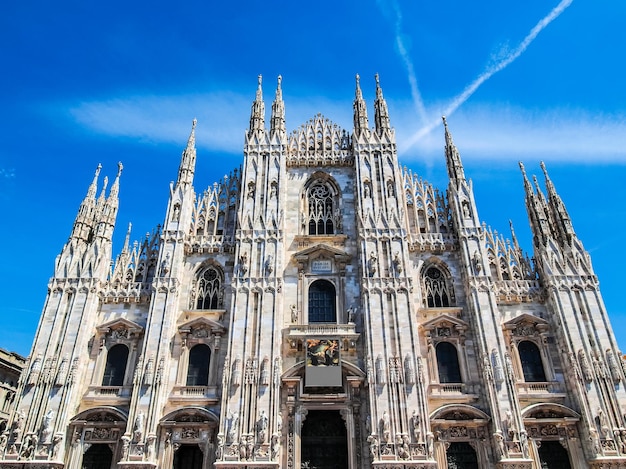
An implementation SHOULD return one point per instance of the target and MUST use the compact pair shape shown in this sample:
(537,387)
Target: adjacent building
(321,307)
(11,366)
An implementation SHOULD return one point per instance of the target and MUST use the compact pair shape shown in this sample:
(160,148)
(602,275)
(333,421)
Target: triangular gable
(200,327)
(121,326)
(320,249)
(527,324)
(445,320)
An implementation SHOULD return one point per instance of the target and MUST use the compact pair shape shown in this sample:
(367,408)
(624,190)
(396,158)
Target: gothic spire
(381,113)
(563,221)
(514,237)
(278,112)
(84,219)
(360,110)
(257,115)
(453,158)
(127,239)
(188,159)
(536,208)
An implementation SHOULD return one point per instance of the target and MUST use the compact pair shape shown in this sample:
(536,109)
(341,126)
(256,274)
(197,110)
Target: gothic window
(321,209)
(115,368)
(198,369)
(322,306)
(448,363)
(436,288)
(461,455)
(530,358)
(209,294)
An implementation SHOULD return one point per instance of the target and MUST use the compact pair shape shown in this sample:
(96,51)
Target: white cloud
(222,117)
(491,132)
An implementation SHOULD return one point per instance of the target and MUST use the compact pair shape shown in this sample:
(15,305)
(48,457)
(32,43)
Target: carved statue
(500,447)
(261,426)
(56,446)
(373,441)
(430,444)
(386,427)
(275,445)
(415,423)
(294,314)
(371,264)
(269,268)
(18,426)
(233,426)
(350,313)
(138,427)
(46,427)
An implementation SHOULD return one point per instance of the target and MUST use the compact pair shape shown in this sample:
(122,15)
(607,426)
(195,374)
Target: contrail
(415,92)
(483,77)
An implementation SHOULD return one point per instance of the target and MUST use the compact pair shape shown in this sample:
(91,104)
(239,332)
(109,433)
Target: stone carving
(46,427)
(233,426)
(265,372)
(261,427)
(409,373)
(269,268)
(373,441)
(416,426)
(381,378)
(584,366)
(236,372)
(275,446)
(385,425)
(138,427)
(613,367)
(294,314)
(57,446)
(371,264)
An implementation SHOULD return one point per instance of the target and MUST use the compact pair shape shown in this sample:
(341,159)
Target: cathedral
(321,307)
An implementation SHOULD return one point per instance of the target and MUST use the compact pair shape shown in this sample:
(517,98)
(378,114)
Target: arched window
(448,363)
(461,455)
(530,358)
(321,208)
(198,369)
(208,289)
(322,307)
(115,369)
(436,288)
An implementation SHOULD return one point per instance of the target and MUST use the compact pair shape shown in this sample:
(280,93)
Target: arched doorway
(553,456)
(98,456)
(324,440)
(461,456)
(188,457)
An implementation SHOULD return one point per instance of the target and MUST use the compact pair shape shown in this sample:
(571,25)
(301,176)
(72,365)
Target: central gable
(319,142)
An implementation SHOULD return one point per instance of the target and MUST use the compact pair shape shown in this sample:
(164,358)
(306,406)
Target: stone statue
(46,430)
(233,426)
(371,264)
(261,426)
(275,445)
(415,423)
(294,314)
(138,427)
(386,427)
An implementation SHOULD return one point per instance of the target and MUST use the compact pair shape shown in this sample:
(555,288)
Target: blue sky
(99,82)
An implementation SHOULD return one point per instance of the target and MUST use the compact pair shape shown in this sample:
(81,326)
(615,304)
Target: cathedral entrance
(188,457)
(461,456)
(553,456)
(324,440)
(98,456)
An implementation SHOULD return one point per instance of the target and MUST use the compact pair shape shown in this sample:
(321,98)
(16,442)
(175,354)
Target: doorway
(98,456)
(553,456)
(188,457)
(324,441)
(461,455)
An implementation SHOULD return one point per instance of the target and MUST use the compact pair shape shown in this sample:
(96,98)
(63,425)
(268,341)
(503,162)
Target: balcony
(551,390)
(455,392)
(108,394)
(346,333)
(186,394)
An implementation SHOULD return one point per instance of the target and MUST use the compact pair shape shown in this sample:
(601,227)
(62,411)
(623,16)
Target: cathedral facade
(321,308)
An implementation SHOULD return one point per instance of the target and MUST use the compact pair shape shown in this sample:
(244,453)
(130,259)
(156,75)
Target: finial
(98,168)
(193,123)
(445,122)
(521,166)
(120,167)
(259,90)
(280,79)
(377,79)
